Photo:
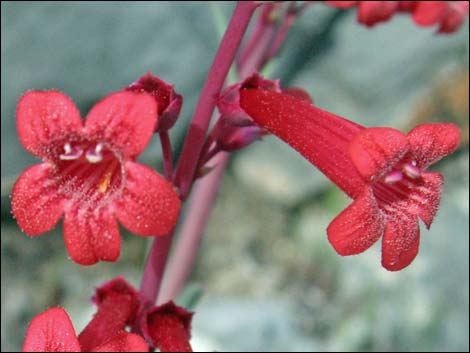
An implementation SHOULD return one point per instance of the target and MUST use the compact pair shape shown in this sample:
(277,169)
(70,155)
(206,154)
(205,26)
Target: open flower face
(382,169)
(88,173)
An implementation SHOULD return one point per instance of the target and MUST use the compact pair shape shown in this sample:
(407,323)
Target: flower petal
(45,116)
(358,227)
(124,342)
(91,235)
(456,14)
(111,318)
(428,13)
(342,4)
(168,327)
(372,12)
(400,242)
(51,331)
(431,142)
(36,204)
(149,204)
(374,151)
(425,196)
(125,120)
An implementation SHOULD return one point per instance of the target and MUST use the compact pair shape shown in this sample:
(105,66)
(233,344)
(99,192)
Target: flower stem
(154,268)
(192,230)
(182,260)
(189,158)
(167,154)
(194,141)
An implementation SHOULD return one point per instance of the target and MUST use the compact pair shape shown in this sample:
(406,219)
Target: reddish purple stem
(200,207)
(153,273)
(194,141)
(182,260)
(167,154)
(189,158)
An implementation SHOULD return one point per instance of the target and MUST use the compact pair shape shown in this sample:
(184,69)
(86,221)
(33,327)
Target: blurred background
(272,282)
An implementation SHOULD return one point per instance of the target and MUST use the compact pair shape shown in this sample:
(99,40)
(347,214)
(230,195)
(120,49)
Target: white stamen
(411,170)
(92,157)
(393,177)
(98,148)
(95,156)
(71,153)
(67,148)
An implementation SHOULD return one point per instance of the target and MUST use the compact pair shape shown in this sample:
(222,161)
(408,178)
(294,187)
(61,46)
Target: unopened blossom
(235,129)
(168,101)
(382,169)
(89,175)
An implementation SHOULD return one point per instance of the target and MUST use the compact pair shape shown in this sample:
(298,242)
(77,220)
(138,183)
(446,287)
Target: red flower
(449,15)
(120,307)
(89,174)
(168,327)
(382,169)
(369,13)
(52,331)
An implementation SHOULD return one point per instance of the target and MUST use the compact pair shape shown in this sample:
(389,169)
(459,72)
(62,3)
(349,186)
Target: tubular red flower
(89,173)
(382,169)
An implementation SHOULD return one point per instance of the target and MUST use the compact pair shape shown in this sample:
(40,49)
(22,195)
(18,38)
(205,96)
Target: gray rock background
(271,279)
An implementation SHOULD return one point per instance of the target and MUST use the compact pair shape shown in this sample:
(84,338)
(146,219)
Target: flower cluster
(166,327)
(89,175)
(447,15)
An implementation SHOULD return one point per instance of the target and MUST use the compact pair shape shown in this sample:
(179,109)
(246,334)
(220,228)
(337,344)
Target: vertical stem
(203,197)
(154,268)
(184,175)
(167,154)
(181,263)
(194,141)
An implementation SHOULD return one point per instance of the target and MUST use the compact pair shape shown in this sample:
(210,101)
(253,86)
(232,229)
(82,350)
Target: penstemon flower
(120,307)
(89,174)
(382,169)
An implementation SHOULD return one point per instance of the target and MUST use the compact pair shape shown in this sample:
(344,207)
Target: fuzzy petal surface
(358,227)
(51,331)
(400,243)
(124,342)
(125,120)
(321,137)
(149,205)
(43,117)
(168,327)
(426,196)
(431,142)
(375,150)
(91,235)
(36,204)
(110,320)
